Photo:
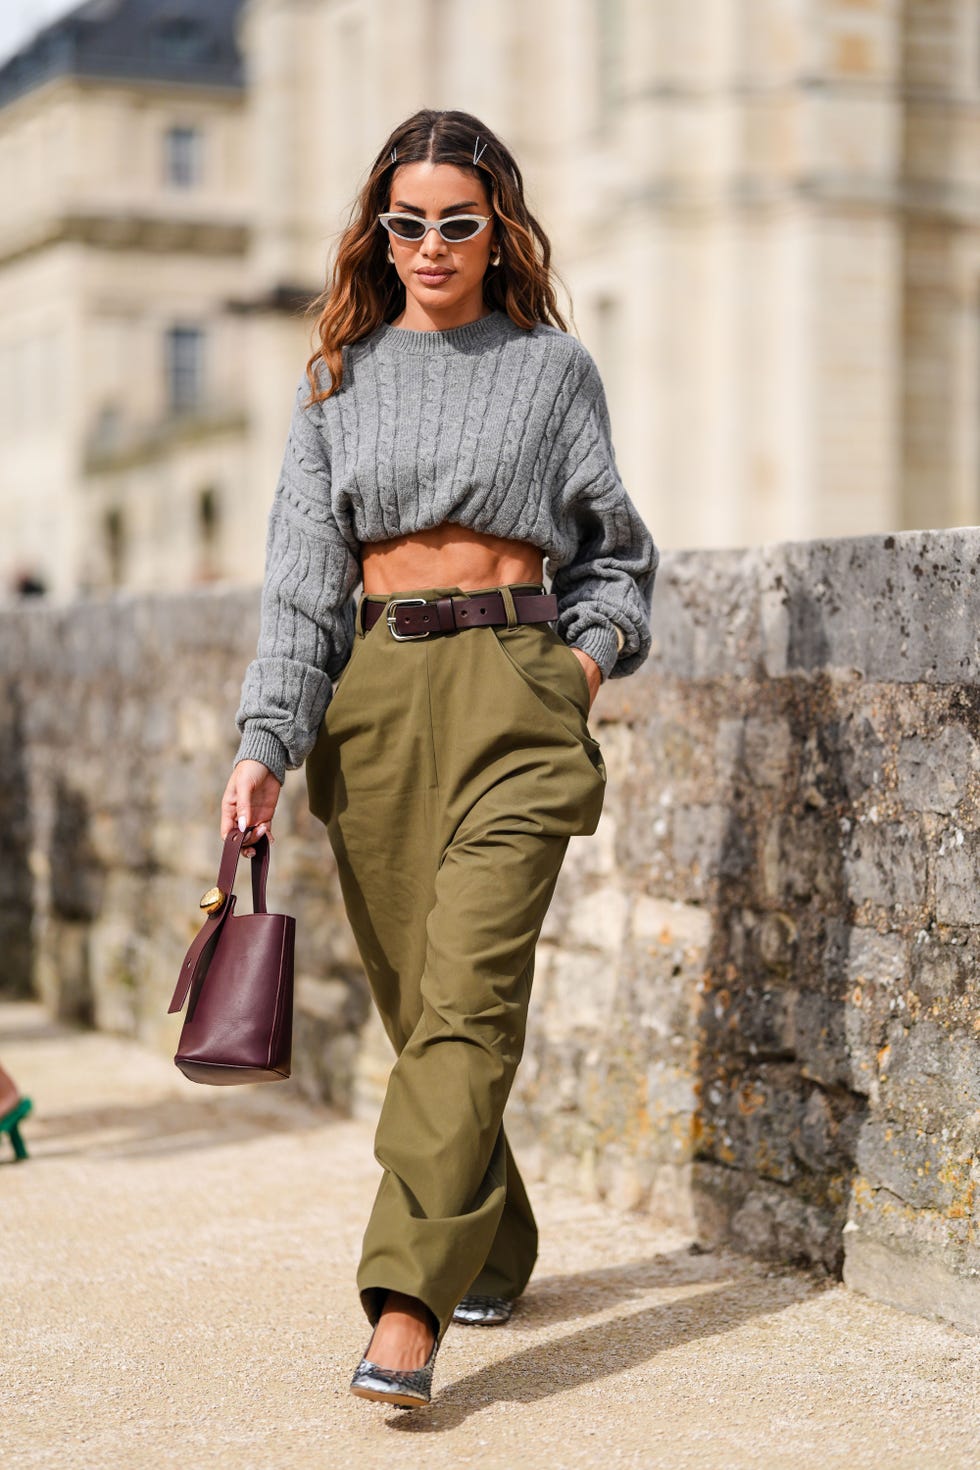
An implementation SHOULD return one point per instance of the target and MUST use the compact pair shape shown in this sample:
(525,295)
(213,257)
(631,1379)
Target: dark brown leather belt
(415,617)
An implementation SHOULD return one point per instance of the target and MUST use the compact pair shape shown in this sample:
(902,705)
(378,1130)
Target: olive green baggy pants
(450,773)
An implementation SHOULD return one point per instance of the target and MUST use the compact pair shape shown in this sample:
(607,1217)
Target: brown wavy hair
(363,291)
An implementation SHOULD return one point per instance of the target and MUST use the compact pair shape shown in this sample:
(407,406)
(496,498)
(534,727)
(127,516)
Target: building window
(208,527)
(609,343)
(608,60)
(183,157)
(106,431)
(185,369)
(207,514)
(114,534)
(183,39)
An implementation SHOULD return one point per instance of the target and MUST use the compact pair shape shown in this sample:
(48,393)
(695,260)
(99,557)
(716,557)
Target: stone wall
(117,722)
(757,1006)
(756,1003)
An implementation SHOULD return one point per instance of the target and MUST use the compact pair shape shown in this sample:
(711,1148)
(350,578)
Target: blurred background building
(766,214)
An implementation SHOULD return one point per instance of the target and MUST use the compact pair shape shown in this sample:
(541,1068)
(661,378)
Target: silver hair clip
(478,156)
(394,155)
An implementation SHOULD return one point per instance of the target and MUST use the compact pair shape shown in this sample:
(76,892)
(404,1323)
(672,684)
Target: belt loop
(509,608)
(359,616)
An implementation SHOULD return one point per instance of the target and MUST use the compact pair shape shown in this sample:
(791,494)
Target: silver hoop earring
(495,259)
(391,258)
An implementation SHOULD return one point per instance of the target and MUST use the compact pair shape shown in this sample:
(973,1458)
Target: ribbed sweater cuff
(600,644)
(262,745)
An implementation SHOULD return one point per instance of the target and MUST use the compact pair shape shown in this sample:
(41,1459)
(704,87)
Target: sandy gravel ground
(177,1267)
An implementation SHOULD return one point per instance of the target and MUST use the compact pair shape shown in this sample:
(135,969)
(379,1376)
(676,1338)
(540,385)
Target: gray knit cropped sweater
(488,425)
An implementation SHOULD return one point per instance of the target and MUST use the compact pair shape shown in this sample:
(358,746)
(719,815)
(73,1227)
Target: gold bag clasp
(213,900)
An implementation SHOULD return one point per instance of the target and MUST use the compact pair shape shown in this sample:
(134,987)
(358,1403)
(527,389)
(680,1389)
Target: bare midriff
(447,556)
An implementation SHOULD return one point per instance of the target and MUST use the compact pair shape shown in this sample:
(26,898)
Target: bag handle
(198,957)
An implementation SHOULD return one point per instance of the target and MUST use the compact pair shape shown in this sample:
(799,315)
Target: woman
(447,435)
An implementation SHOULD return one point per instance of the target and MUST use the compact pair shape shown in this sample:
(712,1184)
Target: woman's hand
(593,673)
(249,801)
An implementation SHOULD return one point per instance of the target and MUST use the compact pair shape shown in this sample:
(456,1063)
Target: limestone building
(766,214)
(122,242)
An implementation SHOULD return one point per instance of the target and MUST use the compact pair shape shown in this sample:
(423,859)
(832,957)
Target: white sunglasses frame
(432,224)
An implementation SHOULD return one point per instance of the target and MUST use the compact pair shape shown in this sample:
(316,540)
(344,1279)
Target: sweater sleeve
(605,589)
(306,623)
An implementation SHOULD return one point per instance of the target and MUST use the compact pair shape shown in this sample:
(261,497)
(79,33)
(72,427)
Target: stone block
(682,928)
(756,1023)
(324,1061)
(941,972)
(871,989)
(886,865)
(707,618)
(751,1118)
(925,1170)
(934,770)
(374,1060)
(621,747)
(666,1121)
(324,999)
(780,1227)
(135,959)
(764,1219)
(664,963)
(729,745)
(895,608)
(201,724)
(930,1069)
(598,922)
(708,842)
(686,767)
(325,1042)
(580,993)
(808,862)
(828,1131)
(956,867)
(820,1039)
(922,1284)
(878,960)
(767,751)
(63,969)
(593,856)
(670,1202)
(861,754)
(622,1178)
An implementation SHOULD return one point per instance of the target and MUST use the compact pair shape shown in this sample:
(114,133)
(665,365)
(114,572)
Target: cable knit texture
(487,425)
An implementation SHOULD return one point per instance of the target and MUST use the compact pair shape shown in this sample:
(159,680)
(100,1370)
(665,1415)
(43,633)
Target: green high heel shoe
(10,1123)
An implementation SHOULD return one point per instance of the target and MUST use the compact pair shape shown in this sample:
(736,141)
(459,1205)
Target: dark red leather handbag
(238,975)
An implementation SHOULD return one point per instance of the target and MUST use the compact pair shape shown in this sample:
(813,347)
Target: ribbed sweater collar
(444,340)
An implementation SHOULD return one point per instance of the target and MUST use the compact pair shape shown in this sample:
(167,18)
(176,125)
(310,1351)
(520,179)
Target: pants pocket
(549,671)
(585,693)
(347,676)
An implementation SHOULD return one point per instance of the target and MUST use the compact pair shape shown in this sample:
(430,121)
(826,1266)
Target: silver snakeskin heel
(483,1311)
(407,1388)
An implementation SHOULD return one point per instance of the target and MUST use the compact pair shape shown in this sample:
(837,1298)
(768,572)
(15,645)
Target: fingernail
(242,824)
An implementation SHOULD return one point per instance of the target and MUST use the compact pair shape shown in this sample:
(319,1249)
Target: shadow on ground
(724,1294)
(206,1118)
(162,1128)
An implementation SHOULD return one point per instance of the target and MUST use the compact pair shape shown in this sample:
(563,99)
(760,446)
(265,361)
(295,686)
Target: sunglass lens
(407,229)
(461,229)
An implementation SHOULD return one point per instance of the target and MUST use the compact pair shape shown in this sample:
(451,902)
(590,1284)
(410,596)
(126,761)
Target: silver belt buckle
(391,611)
